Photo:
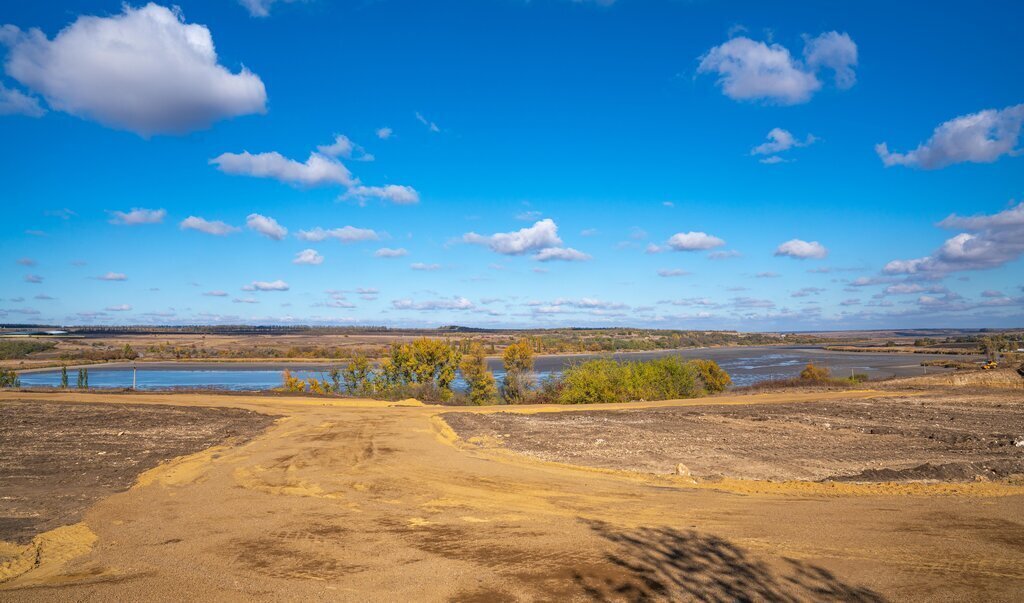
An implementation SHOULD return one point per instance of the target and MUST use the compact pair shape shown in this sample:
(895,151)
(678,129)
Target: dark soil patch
(57,459)
(941,436)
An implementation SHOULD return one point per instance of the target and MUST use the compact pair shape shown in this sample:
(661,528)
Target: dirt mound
(998,379)
(946,472)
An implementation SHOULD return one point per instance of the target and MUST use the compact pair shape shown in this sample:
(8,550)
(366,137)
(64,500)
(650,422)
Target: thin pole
(133,375)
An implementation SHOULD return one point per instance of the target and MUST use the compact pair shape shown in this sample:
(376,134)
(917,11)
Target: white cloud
(395,193)
(267,227)
(989,241)
(144,70)
(749,70)
(430,125)
(767,275)
(773,160)
(309,257)
(277,285)
(802,250)
(138,215)
(26,262)
(113,276)
(981,137)
(214,227)
(780,140)
(693,241)
(564,254)
(384,133)
(387,252)
(345,234)
(245,300)
(33,278)
(835,51)
(118,308)
(344,147)
(15,102)
(425,267)
(455,303)
(318,170)
(673,272)
(727,254)
(216,293)
(541,235)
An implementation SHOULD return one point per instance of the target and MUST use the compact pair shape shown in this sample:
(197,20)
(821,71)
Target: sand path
(368,501)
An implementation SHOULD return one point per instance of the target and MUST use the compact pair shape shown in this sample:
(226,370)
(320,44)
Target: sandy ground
(367,501)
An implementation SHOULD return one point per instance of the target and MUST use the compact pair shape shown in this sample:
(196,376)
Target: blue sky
(650,163)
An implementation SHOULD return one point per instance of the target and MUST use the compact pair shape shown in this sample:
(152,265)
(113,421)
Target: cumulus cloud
(322,168)
(988,241)
(727,254)
(541,235)
(216,293)
(750,70)
(395,193)
(692,241)
(310,257)
(344,147)
(981,137)
(15,102)
(33,278)
(267,227)
(113,276)
(563,254)
(318,170)
(144,70)
(214,227)
(802,250)
(455,303)
(779,141)
(277,285)
(119,308)
(388,252)
(345,234)
(384,133)
(422,267)
(835,51)
(138,215)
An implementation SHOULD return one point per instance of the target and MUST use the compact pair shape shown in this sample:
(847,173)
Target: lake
(746,365)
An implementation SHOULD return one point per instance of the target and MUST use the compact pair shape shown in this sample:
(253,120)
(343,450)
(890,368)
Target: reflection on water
(746,366)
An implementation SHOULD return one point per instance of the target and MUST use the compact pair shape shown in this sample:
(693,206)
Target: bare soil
(938,436)
(57,459)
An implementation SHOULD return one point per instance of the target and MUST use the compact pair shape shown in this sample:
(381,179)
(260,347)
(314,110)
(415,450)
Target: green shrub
(11,349)
(665,378)
(715,379)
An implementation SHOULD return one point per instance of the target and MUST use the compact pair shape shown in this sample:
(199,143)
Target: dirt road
(356,500)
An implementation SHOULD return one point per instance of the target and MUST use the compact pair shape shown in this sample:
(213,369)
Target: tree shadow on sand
(664,563)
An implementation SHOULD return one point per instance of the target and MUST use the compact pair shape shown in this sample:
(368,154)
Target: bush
(715,379)
(813,372)
(11,349)
(482,388)
(9,378)
(666,378)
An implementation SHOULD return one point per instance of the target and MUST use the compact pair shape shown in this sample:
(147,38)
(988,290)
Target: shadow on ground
(664,563)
